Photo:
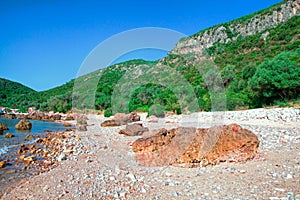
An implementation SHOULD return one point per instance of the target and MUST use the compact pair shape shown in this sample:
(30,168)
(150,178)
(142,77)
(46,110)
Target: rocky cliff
(245,26)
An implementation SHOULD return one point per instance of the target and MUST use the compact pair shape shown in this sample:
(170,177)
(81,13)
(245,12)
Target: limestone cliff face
(246,26)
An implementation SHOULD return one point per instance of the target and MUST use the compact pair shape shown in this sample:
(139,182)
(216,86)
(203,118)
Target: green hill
(243,60)
(15,95)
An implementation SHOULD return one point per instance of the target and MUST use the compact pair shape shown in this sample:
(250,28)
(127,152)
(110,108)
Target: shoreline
(110,166)
(27,160)
(40,127)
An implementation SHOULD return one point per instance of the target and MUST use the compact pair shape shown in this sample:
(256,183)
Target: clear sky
(44,42)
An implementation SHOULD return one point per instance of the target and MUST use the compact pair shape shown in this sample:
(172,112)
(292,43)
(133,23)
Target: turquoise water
(38,128)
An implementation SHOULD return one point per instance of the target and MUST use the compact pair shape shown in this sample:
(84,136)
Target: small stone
(2,164)
(116,195)
(143,190)
(103,191)
(29,137)
(46,188)
(122,194)
(62,157)
(274,198)
(3,127)
(78,138)
(29,159)
(168,174)
(280,189)
(171,184)
(9,135)
(131,177)
(289,176)
(67,124)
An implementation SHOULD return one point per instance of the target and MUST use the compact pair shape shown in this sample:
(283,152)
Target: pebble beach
(104,165)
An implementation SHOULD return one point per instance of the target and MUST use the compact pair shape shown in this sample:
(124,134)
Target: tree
(278,78)
(228,74)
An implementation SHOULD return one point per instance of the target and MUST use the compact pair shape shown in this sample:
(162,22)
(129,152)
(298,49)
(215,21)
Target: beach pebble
(62,157)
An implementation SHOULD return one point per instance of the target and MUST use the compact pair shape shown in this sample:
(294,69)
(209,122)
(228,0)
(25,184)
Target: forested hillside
(15,95)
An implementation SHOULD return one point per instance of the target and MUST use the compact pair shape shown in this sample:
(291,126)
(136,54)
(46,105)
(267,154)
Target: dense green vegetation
(255,72)
(277,78)
(249,61)
(15,95)
(253,49)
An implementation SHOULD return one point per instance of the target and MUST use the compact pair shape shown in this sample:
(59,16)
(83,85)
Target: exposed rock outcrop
(37,116)
(24,124)
(191,147)
(134,130)
(224,33)
(44,116)
(10,116)
(68,117)
(121,119)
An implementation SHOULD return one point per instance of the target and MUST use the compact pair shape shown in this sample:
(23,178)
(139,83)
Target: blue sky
(44,42)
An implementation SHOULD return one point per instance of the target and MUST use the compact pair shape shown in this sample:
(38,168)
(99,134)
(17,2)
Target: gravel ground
(108,169)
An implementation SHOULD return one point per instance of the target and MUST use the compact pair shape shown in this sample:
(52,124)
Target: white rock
(168,174)
(143,190)
(131,177)
(171,184)
(61,157)
(122,194)
(289,176)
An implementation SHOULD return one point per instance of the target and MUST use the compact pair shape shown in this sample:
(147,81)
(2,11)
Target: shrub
(156,110)
(108,112)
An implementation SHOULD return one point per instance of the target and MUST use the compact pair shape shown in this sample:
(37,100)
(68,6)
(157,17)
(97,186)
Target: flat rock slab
(121,119)
(190,147)
(134,130)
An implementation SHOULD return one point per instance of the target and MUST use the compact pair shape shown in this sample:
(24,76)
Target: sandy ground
(109,171)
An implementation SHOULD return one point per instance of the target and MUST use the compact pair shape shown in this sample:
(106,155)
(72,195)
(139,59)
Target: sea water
(38,128)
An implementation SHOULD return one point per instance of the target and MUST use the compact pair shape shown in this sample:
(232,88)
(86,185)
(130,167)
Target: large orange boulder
(190,147)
